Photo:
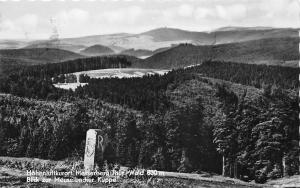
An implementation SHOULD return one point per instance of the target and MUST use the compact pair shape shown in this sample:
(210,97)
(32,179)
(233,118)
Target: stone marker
(94,148)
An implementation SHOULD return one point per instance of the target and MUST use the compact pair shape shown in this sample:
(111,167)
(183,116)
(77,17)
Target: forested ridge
(272,51)
(183,121)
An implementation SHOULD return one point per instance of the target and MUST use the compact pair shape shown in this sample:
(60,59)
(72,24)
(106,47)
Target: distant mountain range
(166,37)
(158,38)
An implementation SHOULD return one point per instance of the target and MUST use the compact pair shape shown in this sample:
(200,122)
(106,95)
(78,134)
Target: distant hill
(171,34)
(43,55)
(13,58)
(274,51)
(180,56)
(97,50)
(265,51)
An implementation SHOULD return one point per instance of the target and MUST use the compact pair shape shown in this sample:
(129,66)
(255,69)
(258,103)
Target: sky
(43,19)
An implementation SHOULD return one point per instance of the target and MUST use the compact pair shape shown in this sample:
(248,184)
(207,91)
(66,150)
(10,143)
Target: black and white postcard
(149,93)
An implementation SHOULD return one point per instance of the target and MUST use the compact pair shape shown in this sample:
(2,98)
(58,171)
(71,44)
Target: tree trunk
(230,169)
(284,167)
(223,166)
(235,170)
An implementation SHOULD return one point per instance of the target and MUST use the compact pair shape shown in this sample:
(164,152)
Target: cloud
(231,12)
(185,10)
(281,8)
(27,22)
(70,21)
(167,14)
(202,13)
(25,25)
(127,15)
(87,18)
(72,16)
(6,25)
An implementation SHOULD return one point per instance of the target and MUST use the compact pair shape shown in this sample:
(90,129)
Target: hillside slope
(270,51)
(241,35)
(220,36)
(43,55)
(172,34)
(273,51)
(13,58)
